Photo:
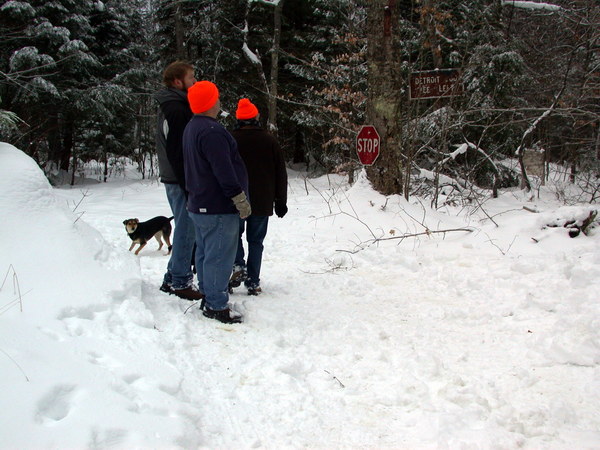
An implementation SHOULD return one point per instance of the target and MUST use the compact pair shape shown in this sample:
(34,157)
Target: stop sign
(367,145)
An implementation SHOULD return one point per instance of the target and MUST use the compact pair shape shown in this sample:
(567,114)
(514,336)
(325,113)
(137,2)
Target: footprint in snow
(56,404)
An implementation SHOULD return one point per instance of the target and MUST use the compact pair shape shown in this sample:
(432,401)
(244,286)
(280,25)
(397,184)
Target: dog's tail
(171,218)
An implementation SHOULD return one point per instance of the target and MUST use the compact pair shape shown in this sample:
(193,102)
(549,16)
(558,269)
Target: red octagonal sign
(367,145)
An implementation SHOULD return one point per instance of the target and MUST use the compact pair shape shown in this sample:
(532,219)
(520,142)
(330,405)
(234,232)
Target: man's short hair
(176,71)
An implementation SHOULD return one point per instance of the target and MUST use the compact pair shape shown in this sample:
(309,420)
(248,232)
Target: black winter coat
(266,168)
(173,115)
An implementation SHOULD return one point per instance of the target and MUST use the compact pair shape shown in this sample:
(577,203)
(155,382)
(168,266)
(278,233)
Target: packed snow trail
(475,339)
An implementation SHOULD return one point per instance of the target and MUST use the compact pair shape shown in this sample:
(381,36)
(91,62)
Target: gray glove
(243,206)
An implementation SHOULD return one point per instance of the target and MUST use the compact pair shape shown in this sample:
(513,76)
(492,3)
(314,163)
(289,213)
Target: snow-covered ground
(482,340)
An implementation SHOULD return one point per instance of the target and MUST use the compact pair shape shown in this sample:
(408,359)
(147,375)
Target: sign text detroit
(435,83)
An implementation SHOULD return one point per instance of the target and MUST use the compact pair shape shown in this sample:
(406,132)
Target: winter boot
(166,287)
(225,316)
(254,289)
(238,276)
(189,293)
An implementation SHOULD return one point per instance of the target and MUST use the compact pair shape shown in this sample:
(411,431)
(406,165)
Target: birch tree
(271,86)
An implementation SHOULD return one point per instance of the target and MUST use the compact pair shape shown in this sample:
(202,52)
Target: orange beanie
(202,96)
(246,110)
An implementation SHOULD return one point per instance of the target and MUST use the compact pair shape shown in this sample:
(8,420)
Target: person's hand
(281,209)
(243,206)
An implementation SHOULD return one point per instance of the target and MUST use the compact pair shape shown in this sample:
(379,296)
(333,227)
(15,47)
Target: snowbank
(484,337)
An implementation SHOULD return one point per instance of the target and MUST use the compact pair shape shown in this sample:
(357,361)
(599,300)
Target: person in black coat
(268,189)
(174,113)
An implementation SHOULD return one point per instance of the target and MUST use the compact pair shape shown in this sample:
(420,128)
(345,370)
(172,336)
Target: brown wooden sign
(435,84)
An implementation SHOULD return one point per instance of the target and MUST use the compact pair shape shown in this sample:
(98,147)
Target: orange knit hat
(202,96)
(246,110)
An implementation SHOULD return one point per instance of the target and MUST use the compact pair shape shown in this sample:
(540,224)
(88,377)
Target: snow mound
(57,276)
(51,249)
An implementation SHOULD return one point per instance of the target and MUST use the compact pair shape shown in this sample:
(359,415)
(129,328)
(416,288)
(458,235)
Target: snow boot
(224,316)
(166,287)
(254,289)
(189,293)
(238,276)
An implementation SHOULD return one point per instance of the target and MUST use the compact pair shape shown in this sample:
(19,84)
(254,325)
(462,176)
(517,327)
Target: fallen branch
(531,210)
(404,236)
(426,232)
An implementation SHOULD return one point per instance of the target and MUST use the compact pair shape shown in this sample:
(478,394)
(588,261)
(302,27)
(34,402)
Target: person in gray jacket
(173,115)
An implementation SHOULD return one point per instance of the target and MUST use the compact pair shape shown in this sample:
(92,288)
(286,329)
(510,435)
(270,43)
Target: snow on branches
(531,5)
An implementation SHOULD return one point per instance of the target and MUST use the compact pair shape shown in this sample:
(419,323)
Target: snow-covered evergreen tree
(66,68)
(326,78)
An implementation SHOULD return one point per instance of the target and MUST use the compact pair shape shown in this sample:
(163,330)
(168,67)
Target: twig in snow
(16,289)
(484,211)
(490,240)
(188,308)
(16,364)
(83,195)
(335,378)
(79,216)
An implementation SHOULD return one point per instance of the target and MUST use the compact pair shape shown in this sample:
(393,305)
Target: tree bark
(272,121)
(385,93)
(54,142)
(179,33)
(68,132)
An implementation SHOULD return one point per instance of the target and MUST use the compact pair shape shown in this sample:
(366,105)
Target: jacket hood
(170,95)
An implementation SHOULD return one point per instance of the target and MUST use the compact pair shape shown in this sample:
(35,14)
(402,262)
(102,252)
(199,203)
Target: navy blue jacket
(214,169)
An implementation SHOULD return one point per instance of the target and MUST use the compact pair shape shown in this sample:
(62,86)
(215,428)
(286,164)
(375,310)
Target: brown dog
(141,232)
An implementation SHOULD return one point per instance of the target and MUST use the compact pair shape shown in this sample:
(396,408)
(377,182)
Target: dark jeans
(256,230)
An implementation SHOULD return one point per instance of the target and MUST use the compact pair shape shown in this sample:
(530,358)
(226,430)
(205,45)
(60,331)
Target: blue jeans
(179,269)
(256,230)
(216,240)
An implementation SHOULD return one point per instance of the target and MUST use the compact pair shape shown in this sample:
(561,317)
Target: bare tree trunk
(385,98)
(54,143)
(271,87)
(179,33)
(252,56)
(68,143)
(598,142)
(105,174)
(74,170)
(272,122)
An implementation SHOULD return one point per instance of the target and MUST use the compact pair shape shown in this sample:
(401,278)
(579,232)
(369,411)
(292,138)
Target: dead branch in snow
(504,252)
(427,232)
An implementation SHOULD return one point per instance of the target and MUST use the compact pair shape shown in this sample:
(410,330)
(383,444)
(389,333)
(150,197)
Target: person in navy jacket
(217,184)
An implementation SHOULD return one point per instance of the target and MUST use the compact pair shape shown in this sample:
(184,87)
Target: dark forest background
(77,78)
